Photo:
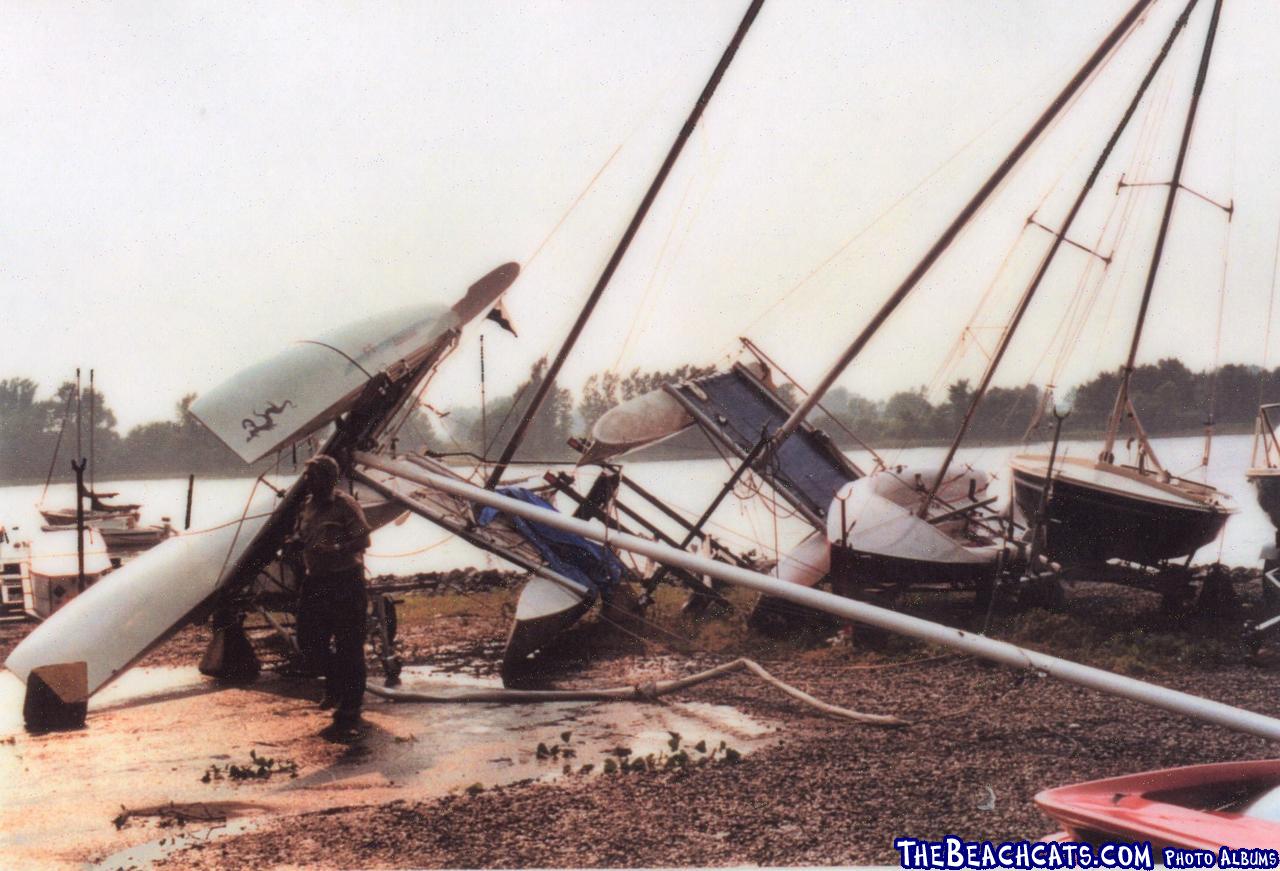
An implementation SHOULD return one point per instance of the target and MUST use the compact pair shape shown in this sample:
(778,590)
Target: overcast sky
(187,187)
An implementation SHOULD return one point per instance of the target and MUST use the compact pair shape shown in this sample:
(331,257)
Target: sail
(291,395)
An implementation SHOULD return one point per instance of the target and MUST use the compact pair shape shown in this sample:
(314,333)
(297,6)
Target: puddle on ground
(147,854)
(154,734)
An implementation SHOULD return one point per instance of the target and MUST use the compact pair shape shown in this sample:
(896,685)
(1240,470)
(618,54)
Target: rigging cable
(57,445)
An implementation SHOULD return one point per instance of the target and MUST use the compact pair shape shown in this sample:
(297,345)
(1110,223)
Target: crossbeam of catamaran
(1194,707)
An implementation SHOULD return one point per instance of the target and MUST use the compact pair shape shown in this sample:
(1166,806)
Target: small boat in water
(126,534)
(1200,807)
(99,513)
(99,510)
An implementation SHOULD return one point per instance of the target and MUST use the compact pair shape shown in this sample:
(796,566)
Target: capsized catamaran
(108,627)
(1185,704)
(1098,510)
(865,531)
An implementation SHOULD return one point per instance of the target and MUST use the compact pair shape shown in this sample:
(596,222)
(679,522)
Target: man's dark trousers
(332,610)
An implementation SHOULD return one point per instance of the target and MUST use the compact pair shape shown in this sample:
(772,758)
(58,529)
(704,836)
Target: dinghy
(1198,807)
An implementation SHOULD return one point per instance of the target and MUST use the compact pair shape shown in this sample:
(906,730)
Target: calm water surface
(416,545)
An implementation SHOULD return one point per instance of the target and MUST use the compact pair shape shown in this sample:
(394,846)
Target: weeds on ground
(259,768)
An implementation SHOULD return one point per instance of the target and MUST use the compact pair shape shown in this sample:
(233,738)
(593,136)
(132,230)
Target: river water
(415,545)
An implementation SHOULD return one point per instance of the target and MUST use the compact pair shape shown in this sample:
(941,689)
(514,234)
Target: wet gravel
(827,793)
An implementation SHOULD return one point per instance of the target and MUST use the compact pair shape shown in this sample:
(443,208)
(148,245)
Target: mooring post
(191,486)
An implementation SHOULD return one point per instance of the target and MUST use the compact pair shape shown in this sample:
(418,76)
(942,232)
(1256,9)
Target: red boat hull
(1204,807)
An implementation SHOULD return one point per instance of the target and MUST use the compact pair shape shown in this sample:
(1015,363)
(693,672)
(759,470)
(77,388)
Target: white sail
(298,391)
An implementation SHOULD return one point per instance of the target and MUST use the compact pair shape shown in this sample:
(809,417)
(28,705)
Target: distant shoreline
(655,454)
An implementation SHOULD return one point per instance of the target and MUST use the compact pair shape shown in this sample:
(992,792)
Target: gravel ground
(828,792)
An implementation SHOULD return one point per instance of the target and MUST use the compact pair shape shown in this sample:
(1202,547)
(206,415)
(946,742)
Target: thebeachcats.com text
(957,853)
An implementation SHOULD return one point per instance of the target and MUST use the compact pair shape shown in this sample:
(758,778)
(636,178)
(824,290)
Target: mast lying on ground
(1204,710)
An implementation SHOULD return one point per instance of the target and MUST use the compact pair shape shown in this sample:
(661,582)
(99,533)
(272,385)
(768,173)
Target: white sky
(187,187)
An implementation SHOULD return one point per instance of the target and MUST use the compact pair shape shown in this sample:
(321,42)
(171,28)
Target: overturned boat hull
(878,538)
(1098,511)
(544,609)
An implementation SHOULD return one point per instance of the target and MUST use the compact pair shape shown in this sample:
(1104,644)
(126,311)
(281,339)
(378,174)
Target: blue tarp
(573,556)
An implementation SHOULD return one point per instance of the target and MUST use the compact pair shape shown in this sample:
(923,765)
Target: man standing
(333,534)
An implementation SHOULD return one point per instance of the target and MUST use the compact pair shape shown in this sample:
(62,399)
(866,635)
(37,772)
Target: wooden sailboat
(1098,510)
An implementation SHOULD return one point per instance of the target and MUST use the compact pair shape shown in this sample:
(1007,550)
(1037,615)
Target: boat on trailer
(1099,511)
(1094,511)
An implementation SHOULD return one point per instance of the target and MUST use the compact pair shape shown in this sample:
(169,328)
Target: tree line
(1169,397)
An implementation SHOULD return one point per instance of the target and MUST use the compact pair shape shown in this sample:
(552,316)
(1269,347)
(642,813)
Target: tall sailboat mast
(624,243)
(961,220)
(1060,236)
(1122,395)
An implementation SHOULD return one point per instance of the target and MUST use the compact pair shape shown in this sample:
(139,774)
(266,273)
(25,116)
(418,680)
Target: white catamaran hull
(876,534)
(299,390)
(114,622)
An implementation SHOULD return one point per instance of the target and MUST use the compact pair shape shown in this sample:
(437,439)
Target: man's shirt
(321,525)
